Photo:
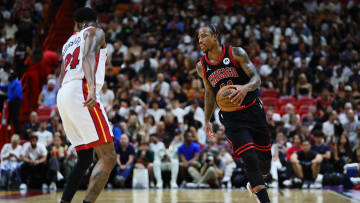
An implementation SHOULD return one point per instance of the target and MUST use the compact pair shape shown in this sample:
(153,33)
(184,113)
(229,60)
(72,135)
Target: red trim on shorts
(267,146)
(232,59)
(98,120)
(105,125)
(250,143)
(244,150)
(203,67)
(232,146)
(89,145)
(220,59)
(97,61)
(241,107)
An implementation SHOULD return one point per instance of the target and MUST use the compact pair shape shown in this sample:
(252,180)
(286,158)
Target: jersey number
(228,83)
(73,59)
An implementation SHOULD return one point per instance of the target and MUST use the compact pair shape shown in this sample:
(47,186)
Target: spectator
(189,154)
(166,159)
(34,156)
(230,165)
(306,163)
(10,163)
(145,159)
(47,96)
(53,125)
(70,161)
(324,150)
(44,137)
(5,71)
(55,162)
(14,91)
(32,125)
(125,160)
(342,153)
(297,141)
(164,87)
(210,172)
(329,127)
(155,111)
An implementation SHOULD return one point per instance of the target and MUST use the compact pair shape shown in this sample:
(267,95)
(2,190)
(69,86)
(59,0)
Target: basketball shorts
(85,128)
(247,129)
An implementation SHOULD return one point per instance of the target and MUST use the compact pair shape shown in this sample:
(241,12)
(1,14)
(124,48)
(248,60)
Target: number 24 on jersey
(72,59)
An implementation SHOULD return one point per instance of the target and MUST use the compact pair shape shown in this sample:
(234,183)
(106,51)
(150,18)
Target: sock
(263,196)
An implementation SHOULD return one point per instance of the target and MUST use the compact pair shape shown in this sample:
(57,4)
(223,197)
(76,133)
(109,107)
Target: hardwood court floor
(191,196)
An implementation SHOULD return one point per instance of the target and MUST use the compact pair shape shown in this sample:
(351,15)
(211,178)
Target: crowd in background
(154,98)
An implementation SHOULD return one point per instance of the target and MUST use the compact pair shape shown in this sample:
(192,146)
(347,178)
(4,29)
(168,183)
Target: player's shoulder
(199,68)
(238,51)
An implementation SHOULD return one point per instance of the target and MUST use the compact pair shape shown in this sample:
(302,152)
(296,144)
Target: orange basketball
(223,100)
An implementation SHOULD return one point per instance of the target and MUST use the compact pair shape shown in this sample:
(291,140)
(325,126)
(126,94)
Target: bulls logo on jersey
(226,61)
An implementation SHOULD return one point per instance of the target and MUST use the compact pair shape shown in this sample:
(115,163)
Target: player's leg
(85,158)
(298,170)
(244,147)
(101,172)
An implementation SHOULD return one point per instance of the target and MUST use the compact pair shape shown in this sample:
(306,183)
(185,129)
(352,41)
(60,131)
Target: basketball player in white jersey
(83,116)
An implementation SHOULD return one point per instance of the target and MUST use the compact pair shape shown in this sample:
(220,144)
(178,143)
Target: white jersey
(72,55)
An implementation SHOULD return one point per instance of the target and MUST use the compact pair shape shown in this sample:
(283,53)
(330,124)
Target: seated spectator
(145,159)
(32,125)
(189,154)
(53,125)
(47,96)
(10,163)
(330,126)
(303,87)
(287,117)
(166,159)
(34,156)
(44,137)
(351,126)
(57,155)
(342,153)
(230,165)
(306,163)
(70,161)
(125,160)
(297,140)
(324,150)
(155,111)
(107,97)
(211,171)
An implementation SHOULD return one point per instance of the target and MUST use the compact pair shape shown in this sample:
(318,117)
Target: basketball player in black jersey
(246,128)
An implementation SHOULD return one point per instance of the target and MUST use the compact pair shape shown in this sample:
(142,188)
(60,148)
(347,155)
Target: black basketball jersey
(226,72)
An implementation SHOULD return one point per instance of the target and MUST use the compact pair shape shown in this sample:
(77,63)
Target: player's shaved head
(85,14)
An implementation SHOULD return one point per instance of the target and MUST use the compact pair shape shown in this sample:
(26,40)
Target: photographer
(210,172)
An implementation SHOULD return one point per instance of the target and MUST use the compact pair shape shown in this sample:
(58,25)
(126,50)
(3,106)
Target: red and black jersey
(226,72)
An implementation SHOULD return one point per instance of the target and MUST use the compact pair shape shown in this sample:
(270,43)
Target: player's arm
(241,57)
(94,39)
(209,100)
(62,72)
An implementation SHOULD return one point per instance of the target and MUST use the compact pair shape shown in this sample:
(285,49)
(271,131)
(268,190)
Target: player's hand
(208,130)
(238,96)
(91,100)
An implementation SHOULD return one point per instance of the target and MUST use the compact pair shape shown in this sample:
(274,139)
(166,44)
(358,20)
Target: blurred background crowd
(307,53)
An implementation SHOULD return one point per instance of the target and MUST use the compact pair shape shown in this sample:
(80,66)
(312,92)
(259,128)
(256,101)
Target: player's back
(73,54)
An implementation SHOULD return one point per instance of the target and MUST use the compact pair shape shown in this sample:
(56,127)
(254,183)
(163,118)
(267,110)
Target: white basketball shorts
(84,127)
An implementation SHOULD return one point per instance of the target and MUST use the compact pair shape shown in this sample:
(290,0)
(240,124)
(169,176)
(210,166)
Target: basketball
(223,100)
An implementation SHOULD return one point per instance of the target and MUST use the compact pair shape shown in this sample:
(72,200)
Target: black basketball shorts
(247,129)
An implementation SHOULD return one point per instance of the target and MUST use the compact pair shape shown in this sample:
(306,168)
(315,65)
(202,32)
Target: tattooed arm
(209,101)
(248,67)
(242,58)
